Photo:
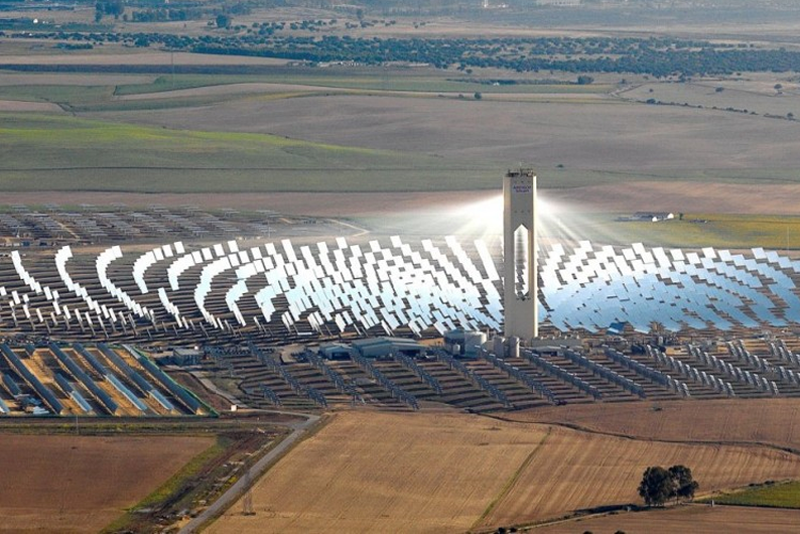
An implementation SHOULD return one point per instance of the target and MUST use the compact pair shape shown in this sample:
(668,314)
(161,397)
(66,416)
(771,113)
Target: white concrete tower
(520,276)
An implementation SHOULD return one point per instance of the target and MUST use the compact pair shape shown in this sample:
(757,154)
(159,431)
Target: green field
(777,495)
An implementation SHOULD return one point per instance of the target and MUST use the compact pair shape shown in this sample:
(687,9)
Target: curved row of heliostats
(592,287)
(347,286)
(427,286)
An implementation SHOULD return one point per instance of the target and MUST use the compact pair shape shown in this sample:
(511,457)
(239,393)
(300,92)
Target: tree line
(659,57)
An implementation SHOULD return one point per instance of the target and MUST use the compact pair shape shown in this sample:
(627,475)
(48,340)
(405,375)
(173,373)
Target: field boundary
(509,485)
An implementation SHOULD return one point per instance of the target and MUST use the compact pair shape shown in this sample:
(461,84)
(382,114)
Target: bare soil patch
(81,484)
(10,79)
(18,105)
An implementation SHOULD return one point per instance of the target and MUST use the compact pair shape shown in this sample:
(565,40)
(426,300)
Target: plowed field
(81,484)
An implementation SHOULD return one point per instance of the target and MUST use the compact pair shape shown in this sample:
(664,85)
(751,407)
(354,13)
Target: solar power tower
(520,281)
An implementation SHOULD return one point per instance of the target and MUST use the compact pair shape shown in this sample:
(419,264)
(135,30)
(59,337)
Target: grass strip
(168,488)
(770,495)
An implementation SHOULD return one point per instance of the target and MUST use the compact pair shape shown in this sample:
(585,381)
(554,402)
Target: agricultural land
(453,472)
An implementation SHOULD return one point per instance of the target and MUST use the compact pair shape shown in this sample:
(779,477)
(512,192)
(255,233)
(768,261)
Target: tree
(477,96)
(685,485)
(657,486)
(223,21)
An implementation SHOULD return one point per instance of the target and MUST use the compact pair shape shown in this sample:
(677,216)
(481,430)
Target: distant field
(772,21)
(423,80)
(51,153)
(382,130)
(80,484)
(755,96)
(592,140)
(10,78)
(444,473)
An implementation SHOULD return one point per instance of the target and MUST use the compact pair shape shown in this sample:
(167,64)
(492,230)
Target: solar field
(243,298)
(88,381)
(332,287)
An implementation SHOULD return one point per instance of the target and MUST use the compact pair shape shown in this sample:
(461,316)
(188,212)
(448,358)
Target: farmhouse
(652,216)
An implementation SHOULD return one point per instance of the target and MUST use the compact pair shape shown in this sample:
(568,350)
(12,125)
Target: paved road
(238,489)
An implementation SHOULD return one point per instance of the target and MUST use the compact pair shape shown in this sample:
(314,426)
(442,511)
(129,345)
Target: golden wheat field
(576,470)
(450,472)
(381,472)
